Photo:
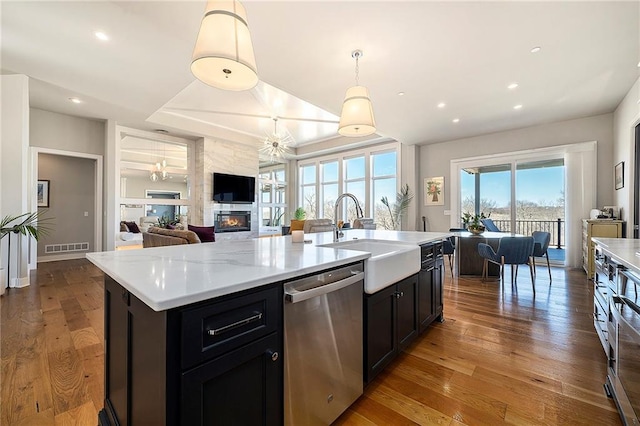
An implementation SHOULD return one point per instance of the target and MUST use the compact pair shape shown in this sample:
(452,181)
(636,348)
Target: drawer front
(211,330)
(428,252)
(600,319)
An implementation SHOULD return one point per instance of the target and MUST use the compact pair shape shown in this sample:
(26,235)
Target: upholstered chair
(541,248)
(512,251)
(489,225)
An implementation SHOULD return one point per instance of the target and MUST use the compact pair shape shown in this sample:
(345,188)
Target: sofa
(158,237)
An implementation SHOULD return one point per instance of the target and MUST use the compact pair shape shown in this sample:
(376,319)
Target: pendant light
(356,118)
(223,54)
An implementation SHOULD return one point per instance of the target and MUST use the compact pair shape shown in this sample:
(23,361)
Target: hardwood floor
(499,358)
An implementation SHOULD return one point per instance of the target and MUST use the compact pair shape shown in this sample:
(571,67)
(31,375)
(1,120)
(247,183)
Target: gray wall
(435,159)
(65,132)
(71,193)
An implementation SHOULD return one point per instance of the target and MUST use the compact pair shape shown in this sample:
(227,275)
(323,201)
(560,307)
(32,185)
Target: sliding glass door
(540,199)
(521,196)
(487,190)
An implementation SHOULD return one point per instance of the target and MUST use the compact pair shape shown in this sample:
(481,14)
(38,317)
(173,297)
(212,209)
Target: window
(308,190)
(384,181)
(368,174)
(273,188)
(329,184)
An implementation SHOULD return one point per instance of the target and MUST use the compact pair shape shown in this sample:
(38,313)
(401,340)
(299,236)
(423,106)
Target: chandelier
(160,171)
(276,147)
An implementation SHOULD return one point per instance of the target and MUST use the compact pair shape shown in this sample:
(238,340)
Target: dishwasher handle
(294,296)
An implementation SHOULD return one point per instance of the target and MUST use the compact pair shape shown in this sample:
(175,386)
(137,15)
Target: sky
(542,185)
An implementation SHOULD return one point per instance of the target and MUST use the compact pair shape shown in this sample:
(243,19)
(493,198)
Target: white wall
(625,118)
(15,188)
(435,159)
(135,187)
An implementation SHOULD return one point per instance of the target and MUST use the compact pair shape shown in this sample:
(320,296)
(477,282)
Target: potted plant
(397,210)
(299,214)
(32,224)
(473,222)
(297,223)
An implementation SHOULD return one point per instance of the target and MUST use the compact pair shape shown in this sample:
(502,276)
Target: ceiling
(463,54)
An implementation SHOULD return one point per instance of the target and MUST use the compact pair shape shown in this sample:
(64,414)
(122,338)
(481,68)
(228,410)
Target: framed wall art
(619,175)
(434,191)
(43,193)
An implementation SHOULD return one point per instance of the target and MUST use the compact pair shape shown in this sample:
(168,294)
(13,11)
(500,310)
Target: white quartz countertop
(173,276)
(622,250)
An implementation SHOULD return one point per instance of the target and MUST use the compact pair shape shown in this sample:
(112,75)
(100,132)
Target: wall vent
(66,248)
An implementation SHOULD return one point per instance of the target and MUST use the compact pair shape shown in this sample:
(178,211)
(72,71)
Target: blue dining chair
(489,225)
(541,248)
(511,251)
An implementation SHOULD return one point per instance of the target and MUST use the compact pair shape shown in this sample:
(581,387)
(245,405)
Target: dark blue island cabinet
(397,314)
(213,362)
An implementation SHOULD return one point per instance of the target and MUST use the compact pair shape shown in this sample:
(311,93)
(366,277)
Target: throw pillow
(132,227)
(205,233)
(123,227)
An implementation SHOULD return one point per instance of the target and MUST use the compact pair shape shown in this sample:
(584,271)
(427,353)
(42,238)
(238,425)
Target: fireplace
(233,221)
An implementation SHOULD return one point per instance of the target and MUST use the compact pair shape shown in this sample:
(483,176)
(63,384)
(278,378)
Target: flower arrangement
(473,222)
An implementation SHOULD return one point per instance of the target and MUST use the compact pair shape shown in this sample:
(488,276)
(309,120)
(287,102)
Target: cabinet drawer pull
(228,327)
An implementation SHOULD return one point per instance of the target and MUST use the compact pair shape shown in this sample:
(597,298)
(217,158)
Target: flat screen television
(233,188)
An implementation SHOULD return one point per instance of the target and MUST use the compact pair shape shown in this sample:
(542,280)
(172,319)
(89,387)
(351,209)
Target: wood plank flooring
(499,358)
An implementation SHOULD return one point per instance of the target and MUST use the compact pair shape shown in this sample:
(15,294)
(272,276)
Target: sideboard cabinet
(605,228)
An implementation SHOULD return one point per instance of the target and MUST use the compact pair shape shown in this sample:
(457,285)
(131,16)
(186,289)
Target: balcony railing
(526,227)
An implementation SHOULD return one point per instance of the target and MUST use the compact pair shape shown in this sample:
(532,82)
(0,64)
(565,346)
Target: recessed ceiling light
(75,100)
(442,105)
(519,106)
(101,36)
(536,49)
(456,120)
(512,86)
(400,93)
(638,64)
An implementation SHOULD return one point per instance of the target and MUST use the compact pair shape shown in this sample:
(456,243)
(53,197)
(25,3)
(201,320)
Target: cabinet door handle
(274,355)
(399,294)
(218,331)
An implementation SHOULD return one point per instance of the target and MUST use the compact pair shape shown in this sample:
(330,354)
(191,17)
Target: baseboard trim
(20,282)
(57,257)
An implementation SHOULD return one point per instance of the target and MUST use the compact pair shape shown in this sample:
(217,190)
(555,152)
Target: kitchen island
(162,307)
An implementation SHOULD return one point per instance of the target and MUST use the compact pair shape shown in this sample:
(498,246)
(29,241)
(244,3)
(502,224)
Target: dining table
(468,261)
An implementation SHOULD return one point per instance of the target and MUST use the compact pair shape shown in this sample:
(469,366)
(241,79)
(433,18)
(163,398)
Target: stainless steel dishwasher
(323,345)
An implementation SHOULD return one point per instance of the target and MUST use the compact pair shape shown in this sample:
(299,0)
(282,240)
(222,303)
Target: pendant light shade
(356,118)
(223,55)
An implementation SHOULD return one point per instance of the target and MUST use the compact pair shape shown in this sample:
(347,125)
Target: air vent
(66,248)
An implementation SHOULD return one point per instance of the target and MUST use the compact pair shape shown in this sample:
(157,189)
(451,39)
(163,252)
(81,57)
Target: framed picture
(434,191)
(43,193)
(619,175)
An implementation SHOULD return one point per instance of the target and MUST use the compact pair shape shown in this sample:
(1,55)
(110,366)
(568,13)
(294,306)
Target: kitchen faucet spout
(337,231)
